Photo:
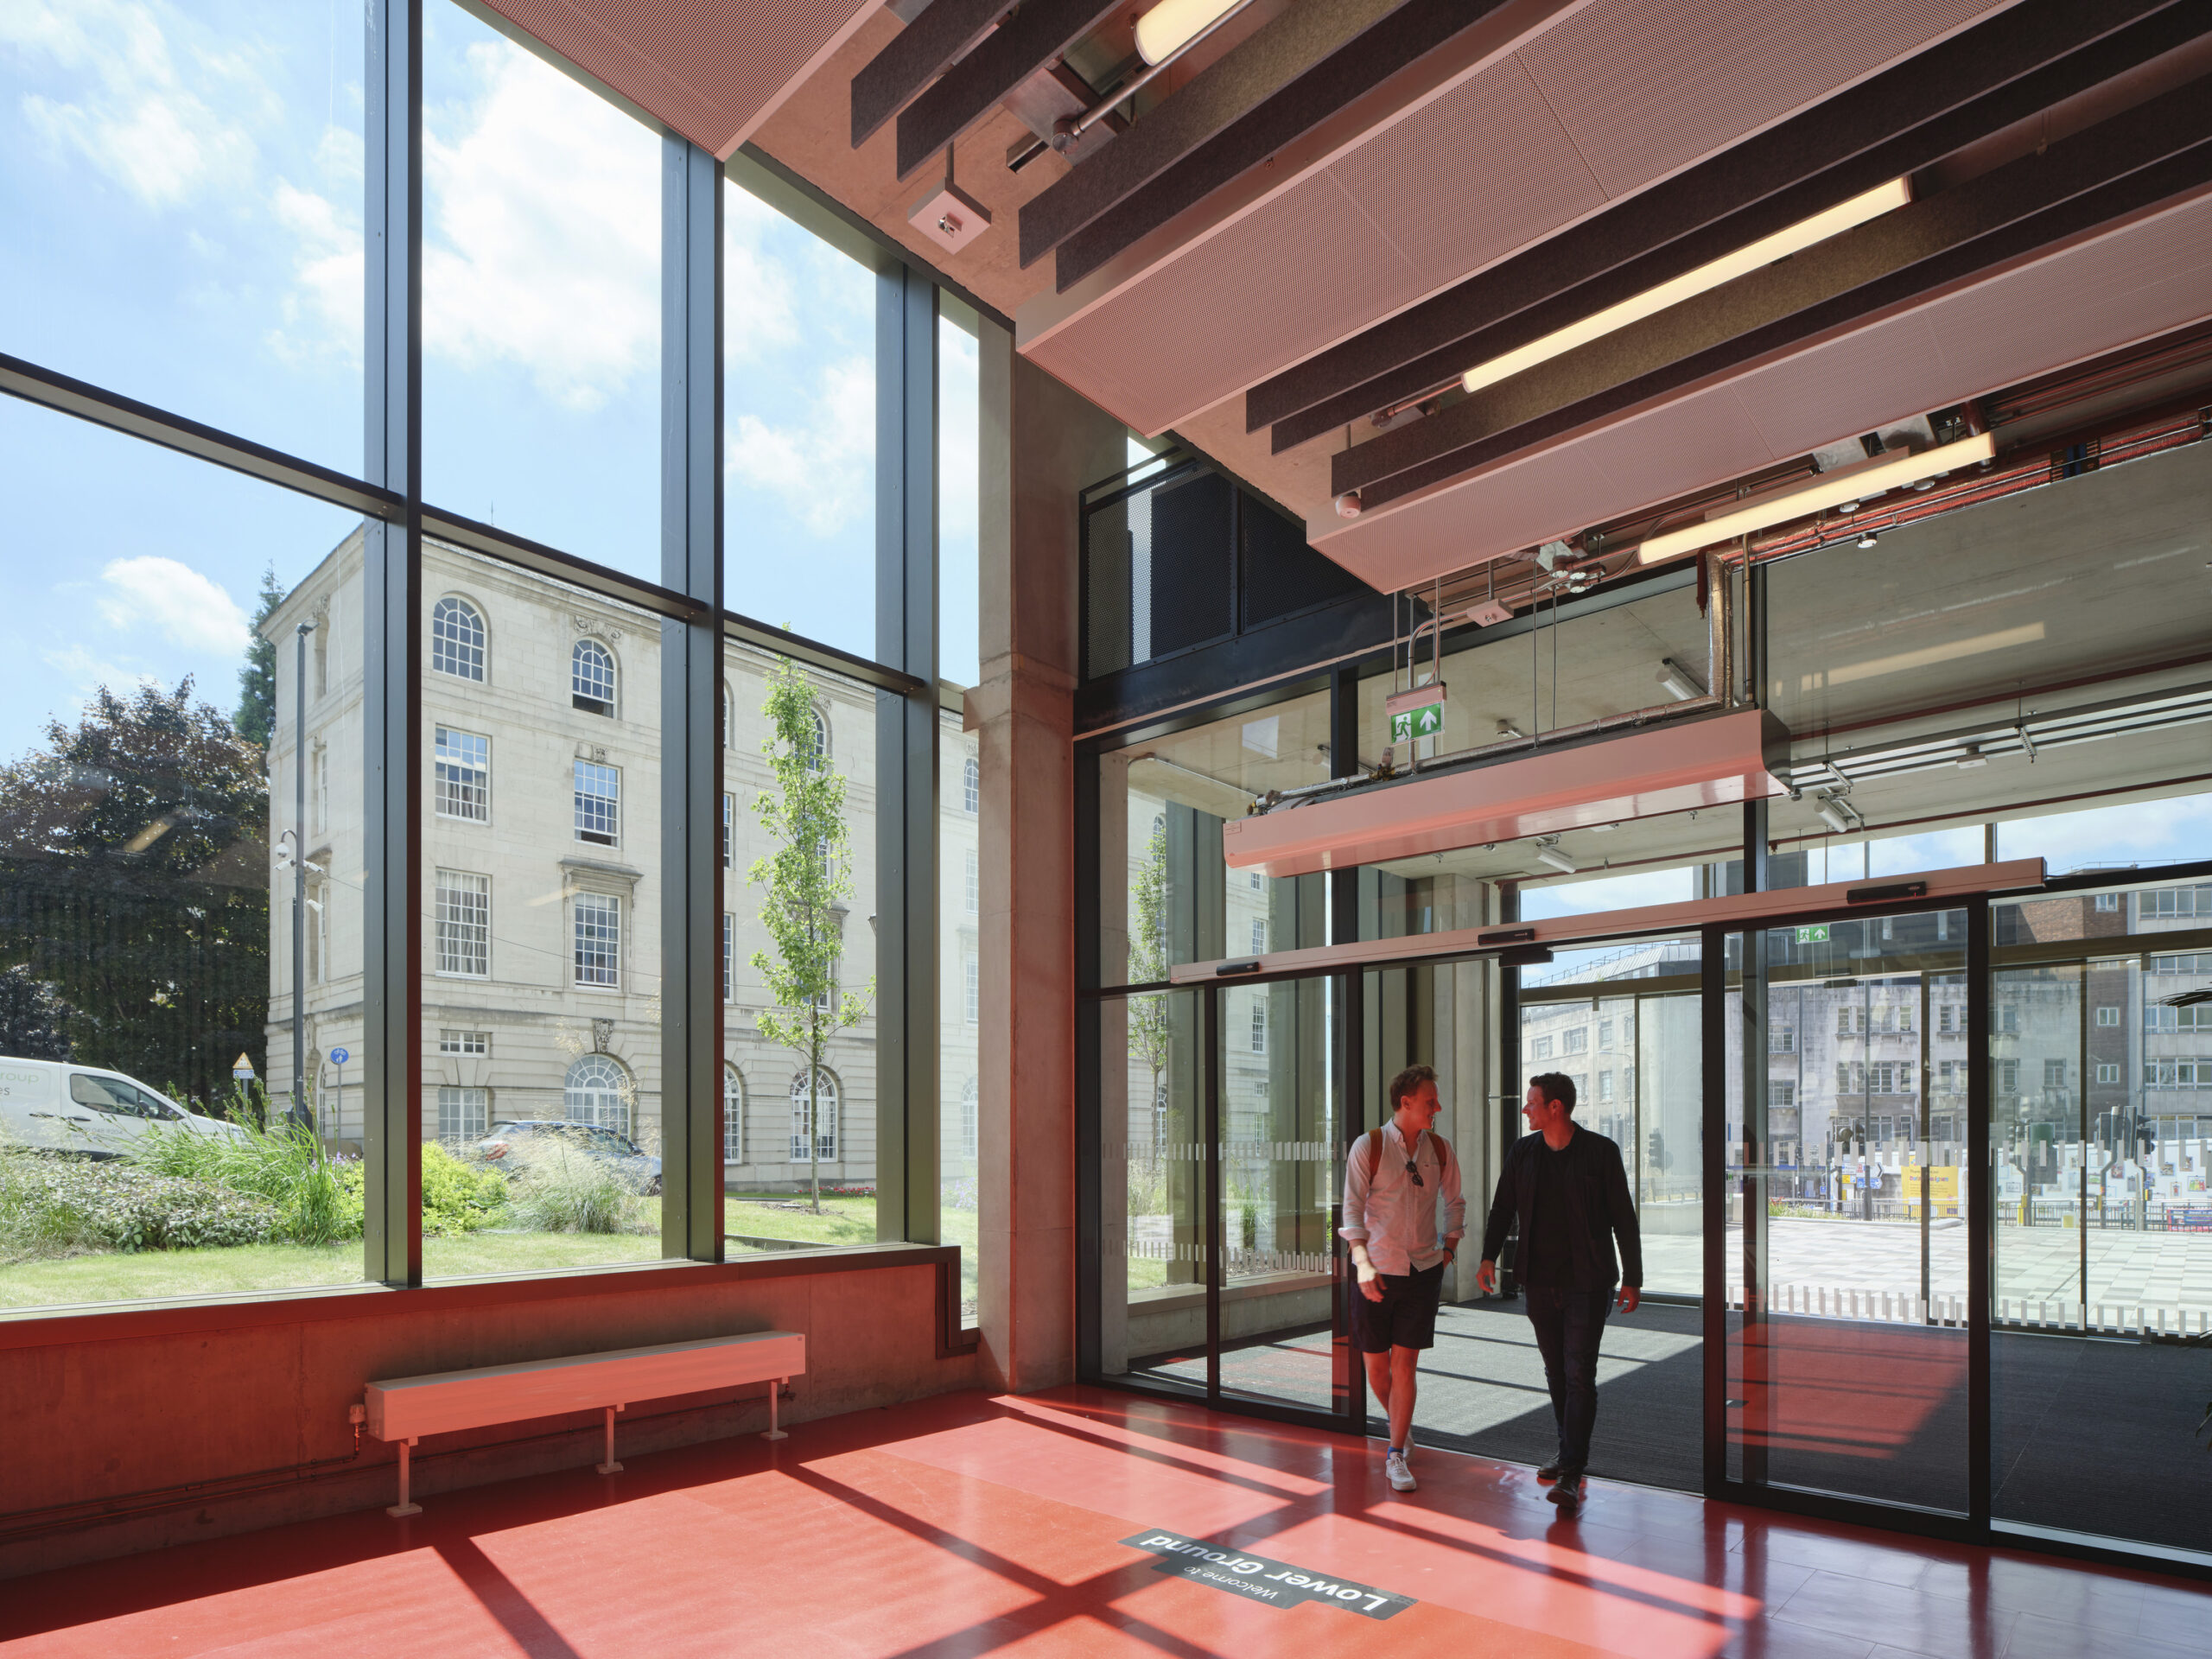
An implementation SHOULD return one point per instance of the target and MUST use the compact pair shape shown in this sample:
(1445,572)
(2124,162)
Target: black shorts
(1405,1318)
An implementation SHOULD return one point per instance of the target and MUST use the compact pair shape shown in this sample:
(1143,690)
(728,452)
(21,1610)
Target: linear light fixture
(1173,24)
(1855,486)
(1764,252)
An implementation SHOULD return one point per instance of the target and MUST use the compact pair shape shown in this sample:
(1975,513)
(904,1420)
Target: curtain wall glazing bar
(392,692)
(691,680)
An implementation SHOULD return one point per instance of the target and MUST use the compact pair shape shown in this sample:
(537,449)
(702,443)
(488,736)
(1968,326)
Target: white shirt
(1393,1218)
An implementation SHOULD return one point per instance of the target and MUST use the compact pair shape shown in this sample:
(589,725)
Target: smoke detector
(949,216)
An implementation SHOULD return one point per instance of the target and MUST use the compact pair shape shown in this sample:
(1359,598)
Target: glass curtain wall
(180,877)
(199,874)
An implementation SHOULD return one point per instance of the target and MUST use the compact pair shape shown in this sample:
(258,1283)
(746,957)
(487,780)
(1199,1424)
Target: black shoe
(1549,1472)
(1567,1494)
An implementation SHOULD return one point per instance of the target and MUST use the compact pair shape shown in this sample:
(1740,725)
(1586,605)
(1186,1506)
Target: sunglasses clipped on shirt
(1414,1173)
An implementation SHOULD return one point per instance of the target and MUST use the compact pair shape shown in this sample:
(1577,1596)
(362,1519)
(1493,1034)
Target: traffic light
(1655,1150)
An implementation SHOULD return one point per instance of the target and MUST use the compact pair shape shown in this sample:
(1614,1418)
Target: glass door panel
(1846,1216)
(2101,1125)
(1668,1139)
(1281,1133)
(1153,1244)
(1620,1022)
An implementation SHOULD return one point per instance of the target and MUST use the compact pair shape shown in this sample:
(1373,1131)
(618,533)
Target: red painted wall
(139,1427)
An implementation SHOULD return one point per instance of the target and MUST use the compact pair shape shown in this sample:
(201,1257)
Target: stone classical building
(541,902)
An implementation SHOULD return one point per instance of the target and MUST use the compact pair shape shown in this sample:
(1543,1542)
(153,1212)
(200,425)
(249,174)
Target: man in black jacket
(1568,1190)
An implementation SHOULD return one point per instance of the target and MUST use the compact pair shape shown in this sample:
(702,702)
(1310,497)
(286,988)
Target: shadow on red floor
(969,1524)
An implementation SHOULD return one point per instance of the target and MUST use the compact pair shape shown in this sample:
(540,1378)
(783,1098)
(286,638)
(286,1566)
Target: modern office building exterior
(939,636)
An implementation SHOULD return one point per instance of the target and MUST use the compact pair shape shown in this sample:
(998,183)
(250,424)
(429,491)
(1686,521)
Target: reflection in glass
(1161,807)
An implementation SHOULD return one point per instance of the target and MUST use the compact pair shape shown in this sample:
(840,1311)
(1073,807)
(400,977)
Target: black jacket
(1599,1204)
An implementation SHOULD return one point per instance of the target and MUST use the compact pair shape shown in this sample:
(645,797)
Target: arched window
(733,1115)
(591,677)
(597,1090)
(825,1102)
(457,640)
(729,717)
(818,756)
(968,1120)
(971,784)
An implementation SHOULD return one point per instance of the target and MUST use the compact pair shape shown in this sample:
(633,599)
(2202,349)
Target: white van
(67,1108)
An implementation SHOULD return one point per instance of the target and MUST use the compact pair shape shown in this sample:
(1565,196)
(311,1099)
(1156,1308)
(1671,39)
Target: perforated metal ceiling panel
(1605,102)
(2145,279)
(712,72)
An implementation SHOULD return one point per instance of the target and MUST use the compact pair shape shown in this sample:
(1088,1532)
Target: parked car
(62,1107)
(512,1144)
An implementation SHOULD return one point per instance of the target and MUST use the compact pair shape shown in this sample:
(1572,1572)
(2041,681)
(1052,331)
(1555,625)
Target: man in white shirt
(1393,1180)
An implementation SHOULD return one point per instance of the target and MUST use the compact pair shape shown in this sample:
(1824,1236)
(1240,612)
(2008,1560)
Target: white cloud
(134,118)
(757,310)
(2146,832)
(959,483)
(821,466)
(1579,898)
(323,312)
(185,607)
(544,253)
(85,673)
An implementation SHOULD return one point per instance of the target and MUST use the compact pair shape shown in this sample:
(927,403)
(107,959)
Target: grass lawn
(843,1221)
(155,1275)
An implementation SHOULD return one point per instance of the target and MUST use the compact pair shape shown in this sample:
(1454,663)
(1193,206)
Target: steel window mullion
(392,697)
(1981,1235)
(908,1155)
(1713,1152)
(691,679)
(1209,1060)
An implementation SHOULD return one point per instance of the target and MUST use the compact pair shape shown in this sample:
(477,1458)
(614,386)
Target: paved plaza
(2157,1272)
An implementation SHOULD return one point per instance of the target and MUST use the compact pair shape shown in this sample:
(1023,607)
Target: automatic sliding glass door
(1846,1219)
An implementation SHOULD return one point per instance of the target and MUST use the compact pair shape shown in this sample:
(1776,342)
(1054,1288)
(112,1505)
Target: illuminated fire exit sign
(1816,934)
(1417,713)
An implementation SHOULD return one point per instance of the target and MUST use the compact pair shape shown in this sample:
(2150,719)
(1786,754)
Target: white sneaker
(1402,1477)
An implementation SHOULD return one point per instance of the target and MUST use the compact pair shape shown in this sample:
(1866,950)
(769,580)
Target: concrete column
(1041,443)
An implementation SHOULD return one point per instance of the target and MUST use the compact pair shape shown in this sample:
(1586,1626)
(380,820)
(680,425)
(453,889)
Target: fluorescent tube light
(1173,24)
(1677,683)
(1764,252)
(1818,497)
(1832,815)
(1557,860)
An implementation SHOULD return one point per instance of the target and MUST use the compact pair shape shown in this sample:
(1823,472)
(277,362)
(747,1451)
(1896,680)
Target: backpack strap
(1370,1152)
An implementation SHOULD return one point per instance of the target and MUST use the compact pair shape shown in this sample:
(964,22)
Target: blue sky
(181,187)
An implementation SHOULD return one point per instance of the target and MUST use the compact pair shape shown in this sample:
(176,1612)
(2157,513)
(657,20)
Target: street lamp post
(300,873)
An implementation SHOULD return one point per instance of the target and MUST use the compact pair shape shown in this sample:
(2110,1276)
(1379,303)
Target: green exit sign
(1418,713)
(1426,721)
(1817,934)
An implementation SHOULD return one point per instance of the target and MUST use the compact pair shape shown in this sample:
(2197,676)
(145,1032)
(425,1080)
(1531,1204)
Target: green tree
(1147,1016)
(255,719)
(134,884)
(801,883)
(31,1019)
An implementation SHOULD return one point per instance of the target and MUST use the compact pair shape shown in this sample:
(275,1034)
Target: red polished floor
(969,1524)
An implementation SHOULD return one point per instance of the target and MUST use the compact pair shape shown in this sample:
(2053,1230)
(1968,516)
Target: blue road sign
(339,1057)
